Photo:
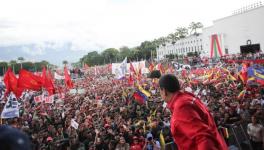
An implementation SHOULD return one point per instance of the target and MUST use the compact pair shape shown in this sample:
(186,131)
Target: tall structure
(192,43)
(226,35)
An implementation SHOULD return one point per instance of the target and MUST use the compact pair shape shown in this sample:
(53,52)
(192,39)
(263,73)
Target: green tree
(3,68)
(182,32)
(110,55)
(194,26)
(173,37)
(125,52)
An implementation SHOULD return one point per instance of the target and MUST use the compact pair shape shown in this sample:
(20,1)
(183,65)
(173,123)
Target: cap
(149,135)
(13,139)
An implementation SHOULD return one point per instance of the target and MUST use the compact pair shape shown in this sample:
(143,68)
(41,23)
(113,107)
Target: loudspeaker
(253,48)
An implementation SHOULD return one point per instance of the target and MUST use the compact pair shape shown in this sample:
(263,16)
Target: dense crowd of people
(109,117)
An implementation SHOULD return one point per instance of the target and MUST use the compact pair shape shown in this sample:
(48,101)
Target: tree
(182,32)
(173,37)
(194,26)
(65,62)
(110,55)
(21,59)
(3,66)
(125,52)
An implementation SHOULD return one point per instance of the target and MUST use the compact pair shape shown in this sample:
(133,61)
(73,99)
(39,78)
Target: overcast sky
(48,29)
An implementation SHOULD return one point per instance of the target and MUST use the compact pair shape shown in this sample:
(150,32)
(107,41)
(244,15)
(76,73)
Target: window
(201,47)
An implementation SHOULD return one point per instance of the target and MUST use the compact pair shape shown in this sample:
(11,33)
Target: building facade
(193,43)
(225,36)
(234,31)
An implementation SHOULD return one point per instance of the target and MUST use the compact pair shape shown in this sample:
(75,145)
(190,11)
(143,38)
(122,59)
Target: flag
(47,82)
(225,133)
(10,81)
(120,71)
(67,79)
(130,80)
(132,69)
(241,94)
(140,97)
(143,91)
(162,140)
(74,124)
(28,81)
(151,67)
(243,73)
(11,109)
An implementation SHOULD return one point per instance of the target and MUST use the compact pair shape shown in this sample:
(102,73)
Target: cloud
(86,25)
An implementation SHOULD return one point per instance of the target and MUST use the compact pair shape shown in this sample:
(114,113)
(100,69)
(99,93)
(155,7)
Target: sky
(57,30)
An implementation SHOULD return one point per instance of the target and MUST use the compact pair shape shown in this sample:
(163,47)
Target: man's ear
(165,92)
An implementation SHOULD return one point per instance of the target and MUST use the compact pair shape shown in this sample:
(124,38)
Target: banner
(11,109)
(38,99)
(49,99)
(58,77)
(119,70)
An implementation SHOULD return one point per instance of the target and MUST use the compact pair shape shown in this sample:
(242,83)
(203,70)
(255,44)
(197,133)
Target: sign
(81,91)
(49,99)
(38,99)
(11,109)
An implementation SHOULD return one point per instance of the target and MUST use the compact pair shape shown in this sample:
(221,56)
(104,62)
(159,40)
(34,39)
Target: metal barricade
(238,137)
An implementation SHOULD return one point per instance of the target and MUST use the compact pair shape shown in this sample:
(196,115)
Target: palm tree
(65,62)
(21,59)
(194,26)
(163,40)
(173,37)
(182,32)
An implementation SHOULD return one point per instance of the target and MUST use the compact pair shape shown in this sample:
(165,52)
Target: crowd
(109,117)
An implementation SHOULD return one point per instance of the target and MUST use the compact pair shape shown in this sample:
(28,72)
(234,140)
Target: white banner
(11,109)
(58,77)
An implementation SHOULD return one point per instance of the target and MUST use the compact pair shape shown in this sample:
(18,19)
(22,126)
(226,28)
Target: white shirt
(255,132)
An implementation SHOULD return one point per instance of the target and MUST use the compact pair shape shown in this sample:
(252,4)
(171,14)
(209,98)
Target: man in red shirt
(192,126)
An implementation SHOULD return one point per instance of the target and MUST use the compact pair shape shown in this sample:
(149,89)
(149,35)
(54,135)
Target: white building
(234,31)
(191,43)
(225,36)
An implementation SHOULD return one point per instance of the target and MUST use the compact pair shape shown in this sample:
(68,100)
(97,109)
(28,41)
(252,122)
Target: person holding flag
(192,126)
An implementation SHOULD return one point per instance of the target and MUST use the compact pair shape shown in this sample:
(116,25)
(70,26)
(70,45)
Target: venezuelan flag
(140,97)
(146,93)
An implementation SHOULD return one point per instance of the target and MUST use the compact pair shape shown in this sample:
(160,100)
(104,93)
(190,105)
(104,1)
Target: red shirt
(192,126)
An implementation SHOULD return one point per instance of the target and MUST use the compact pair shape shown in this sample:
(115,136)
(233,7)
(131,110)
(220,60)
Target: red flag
(151,67)
(131,68)
(10,82)
(47,82)
(68,81)
(130,80)
(27,80)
